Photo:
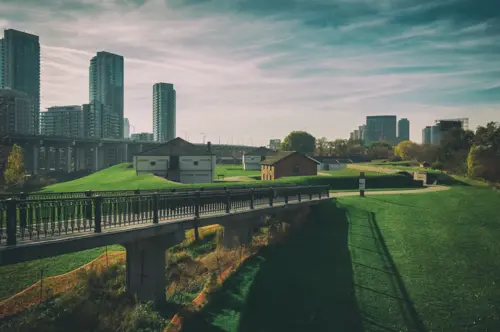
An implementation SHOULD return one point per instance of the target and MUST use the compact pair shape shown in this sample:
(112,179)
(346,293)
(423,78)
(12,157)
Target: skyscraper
(126,128)
(106,92)
(403,130)
(381,128)
(15,113)
(62,121)
(426,135)
(20,62)
(164,112)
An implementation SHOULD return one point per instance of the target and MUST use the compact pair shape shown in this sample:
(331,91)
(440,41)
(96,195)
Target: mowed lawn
(423,262)
(15,278)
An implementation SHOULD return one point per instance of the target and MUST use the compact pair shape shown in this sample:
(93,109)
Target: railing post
(271,196)
(88,207)
(11,222)
(286,196)
(327,191)
(319,193)
(310,193)
(252,199)
(22,210)
(299,196)
(136,203)
(156,199)
(228,201)
(97,214)
(197,204)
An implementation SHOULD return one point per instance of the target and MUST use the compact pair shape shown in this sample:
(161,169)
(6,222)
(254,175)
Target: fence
(92,193)
(31,220)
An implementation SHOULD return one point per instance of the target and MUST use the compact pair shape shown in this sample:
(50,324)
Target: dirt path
(239,179)
(427,189)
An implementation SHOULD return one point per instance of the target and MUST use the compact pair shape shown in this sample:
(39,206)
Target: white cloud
(246,78)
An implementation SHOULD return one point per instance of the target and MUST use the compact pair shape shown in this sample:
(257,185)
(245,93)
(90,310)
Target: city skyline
(438,65)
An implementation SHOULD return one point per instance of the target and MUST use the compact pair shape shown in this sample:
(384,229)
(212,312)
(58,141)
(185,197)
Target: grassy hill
(391,263)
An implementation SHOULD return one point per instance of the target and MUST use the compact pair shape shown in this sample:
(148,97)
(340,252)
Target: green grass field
(381,263)
(15,278)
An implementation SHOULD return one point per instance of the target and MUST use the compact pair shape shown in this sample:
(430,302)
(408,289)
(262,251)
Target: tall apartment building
(20,69)
(164,112)
(149,137)
(381,128)
(403,130)
(62,121)
(15,113)
(426,135)
(106,95)
(126,128)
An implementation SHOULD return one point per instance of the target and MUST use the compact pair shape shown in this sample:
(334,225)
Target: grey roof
(177,147)
(261,151)
(281,155)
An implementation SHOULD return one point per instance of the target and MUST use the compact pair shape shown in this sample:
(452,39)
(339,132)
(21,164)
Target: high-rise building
(164,112)
(426,135)
(274,144)
(106,94)
(126,128)
(403,130)
(362,132)
(435,135)
(62,121)
(1,63)
(20,62)
(149,137)
(381,128)
(15,113)
(464,122)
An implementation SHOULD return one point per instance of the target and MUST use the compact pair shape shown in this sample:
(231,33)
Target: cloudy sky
(258,69)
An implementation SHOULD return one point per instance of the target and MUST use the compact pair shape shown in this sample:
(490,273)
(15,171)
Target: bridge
(68,154)
(146,224)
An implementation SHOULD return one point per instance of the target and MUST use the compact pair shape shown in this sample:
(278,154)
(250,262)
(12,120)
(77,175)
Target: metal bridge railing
(33,220)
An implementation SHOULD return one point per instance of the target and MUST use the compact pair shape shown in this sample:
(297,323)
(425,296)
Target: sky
(246,71)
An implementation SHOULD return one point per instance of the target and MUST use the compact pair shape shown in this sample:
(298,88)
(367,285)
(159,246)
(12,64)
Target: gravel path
(427,189)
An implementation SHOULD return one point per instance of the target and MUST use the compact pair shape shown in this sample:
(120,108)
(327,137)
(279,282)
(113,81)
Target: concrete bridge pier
(146,266)
(237,233)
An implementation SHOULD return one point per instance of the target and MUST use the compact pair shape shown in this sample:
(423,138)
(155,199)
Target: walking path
(427,189)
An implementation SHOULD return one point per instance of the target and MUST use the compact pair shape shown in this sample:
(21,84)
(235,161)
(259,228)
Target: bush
(437,166)
(395,159)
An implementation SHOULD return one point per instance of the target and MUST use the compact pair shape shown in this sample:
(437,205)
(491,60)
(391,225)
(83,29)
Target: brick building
(289,163)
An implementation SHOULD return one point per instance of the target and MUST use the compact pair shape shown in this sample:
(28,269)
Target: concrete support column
(80,159)
(58,159)
(125,153)
(48,158)
(146,266)
(101,158)
(237,234)
(95,157)
(36,156)
(69,166)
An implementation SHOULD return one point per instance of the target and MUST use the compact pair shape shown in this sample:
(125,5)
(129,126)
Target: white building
(252,159)
(326,163)
(178,160)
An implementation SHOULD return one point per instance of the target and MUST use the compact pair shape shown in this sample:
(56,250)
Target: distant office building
(274,144)
(403,130)
(435,135)
(357,135)
(126,128)
(362,132)
(62,121)
(381,128)
(99,121)
(426,135)
(106,93)
(20,68)
(16,113)
(164,112)
(464,123)
(149,137)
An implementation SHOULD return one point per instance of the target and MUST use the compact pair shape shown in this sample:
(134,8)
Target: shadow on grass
(304,284)
(383,299)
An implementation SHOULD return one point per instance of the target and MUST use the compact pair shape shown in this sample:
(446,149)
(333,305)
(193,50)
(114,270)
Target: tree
(14,174)
(407,150)
(299,141)
(484,156)
(321,146)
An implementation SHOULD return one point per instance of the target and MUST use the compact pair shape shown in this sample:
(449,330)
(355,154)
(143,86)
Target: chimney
(209,146)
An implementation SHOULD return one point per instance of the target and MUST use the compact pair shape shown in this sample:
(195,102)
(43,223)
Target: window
(195,163)
(152,163)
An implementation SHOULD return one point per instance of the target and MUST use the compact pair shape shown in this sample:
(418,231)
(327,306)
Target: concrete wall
(251,162)
(192,169)
(331,167)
